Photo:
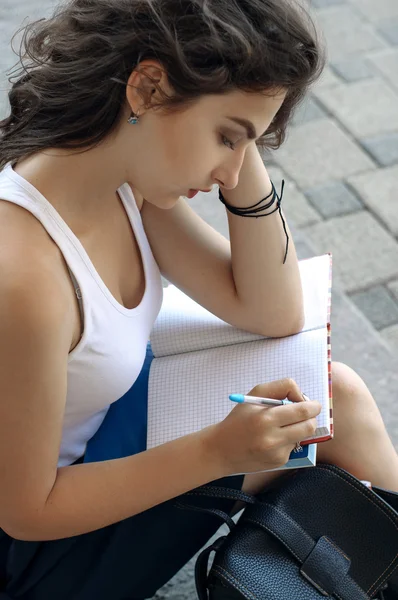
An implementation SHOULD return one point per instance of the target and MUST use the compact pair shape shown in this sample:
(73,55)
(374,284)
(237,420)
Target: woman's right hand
(254,438)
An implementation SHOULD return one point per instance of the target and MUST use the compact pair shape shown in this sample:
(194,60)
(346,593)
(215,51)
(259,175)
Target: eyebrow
(248,125)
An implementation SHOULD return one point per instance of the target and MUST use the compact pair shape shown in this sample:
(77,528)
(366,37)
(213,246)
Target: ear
(142,85)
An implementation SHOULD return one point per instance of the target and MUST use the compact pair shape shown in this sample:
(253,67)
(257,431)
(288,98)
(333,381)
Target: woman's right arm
(38,500)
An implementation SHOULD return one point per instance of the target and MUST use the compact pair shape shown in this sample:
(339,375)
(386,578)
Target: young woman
(122,108)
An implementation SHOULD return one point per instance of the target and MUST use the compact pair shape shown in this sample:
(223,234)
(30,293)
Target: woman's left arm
(242,281)
(265,286)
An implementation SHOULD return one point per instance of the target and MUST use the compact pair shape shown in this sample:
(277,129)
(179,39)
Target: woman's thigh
(131,559)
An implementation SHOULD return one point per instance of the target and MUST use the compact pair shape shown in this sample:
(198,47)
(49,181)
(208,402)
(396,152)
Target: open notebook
(200,360)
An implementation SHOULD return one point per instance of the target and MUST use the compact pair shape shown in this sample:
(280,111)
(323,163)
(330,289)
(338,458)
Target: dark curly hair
(68,87)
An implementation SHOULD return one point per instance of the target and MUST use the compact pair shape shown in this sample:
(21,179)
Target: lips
(192,192)
(199,190)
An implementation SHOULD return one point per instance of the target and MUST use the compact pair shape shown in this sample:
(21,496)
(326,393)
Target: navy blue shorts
(129,560)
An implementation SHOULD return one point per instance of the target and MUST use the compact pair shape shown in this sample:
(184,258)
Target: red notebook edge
(329,359)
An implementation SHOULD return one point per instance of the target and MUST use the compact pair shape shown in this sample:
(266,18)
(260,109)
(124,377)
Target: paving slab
(3,107)
(383,148)
(327,3)
(364,253)
(387,63)
(320,151)
(327,79)
(377,115)
(378,305)
(333,199)
(338,24)
(378,190)
(389,30)
(309,110)
(354,68)
(390,335)
(294,204)
(393,288)
(376,10)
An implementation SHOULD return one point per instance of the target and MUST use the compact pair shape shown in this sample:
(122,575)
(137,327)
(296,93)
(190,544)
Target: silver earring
(133,119)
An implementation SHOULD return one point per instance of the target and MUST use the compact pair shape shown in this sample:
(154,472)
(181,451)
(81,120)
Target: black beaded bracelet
(252,211)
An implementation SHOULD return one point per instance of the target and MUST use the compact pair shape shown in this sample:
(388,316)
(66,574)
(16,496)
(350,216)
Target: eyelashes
(226,142)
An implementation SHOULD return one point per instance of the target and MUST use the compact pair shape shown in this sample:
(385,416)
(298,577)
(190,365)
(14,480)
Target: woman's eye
(227,142)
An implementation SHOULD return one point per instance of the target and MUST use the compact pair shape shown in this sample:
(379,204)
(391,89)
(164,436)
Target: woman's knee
(351,397)
(346,383)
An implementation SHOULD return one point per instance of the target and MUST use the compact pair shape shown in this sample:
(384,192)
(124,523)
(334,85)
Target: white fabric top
(109,357)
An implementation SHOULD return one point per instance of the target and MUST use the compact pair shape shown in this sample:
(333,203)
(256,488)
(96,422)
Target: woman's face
(166,155)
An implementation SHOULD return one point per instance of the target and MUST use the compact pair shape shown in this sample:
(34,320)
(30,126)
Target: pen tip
(236,397)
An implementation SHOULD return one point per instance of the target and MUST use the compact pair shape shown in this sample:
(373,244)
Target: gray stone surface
(320,151)
(387,63)
(377,115)
(338,24)
(328,78)
(383,148)
(376,10)
(309,110)
(378,190)
(353,68)
(378,305)
(333,199)
(390,336)
(294,203)
(326,3)
(389,30)
(3,107)
(364,253)
(393,287)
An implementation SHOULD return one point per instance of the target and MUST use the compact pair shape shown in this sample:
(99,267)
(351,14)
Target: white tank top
(109,356)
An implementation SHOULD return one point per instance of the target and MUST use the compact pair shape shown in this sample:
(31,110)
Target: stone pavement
(340,164)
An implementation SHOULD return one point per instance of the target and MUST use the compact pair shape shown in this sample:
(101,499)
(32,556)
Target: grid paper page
(183,325)
(190,391)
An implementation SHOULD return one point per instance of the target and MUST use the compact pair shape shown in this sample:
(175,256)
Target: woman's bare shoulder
(30,261)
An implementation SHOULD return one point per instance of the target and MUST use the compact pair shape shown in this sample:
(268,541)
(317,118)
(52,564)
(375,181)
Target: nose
(229,182)
(228,174)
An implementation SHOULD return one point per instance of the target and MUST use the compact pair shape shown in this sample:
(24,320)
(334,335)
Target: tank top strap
(78,293)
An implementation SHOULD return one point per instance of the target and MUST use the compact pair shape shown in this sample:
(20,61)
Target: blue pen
(260,401)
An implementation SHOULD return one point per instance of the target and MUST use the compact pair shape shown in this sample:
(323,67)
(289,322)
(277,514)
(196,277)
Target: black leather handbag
(314,533)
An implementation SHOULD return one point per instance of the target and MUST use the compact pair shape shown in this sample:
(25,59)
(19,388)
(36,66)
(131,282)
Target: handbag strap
(213,491)
(210,511)
(201,568)
(323,563)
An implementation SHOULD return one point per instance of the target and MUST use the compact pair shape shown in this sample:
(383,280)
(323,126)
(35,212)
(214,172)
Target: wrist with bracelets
(252,211)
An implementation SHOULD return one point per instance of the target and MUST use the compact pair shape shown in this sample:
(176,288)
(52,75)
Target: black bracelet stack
(252,211)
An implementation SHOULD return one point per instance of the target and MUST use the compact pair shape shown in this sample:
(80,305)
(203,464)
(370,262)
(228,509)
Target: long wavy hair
(68,87)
